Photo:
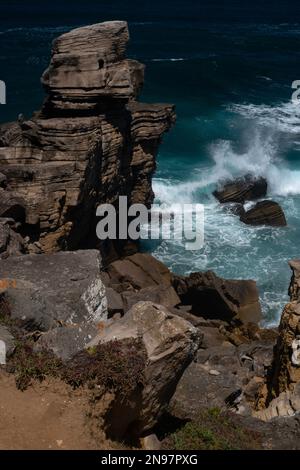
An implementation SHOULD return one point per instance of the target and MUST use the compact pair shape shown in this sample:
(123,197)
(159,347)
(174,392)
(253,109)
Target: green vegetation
(117,366)
(212,430)
(28,365)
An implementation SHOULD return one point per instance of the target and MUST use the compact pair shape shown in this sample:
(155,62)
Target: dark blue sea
(228,66)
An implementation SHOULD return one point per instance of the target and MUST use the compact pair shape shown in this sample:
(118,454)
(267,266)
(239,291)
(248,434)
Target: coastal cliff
(144,347)
(91,142)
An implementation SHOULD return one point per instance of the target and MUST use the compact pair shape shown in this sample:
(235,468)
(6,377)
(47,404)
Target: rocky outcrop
(242,190)
(282,391)
(88,63)
(287,404)
(142,277)
(286,365)
(91,143)
(236,193)
(52,290)
(294,288)
(224,375)
(170,343)
(265,213)
(213,297)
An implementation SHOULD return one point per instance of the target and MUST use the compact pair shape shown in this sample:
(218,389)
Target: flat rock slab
(163,295)
(67,341)
(49,290)
(140,270)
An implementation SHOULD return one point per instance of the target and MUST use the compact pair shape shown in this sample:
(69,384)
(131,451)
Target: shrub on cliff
(212,430)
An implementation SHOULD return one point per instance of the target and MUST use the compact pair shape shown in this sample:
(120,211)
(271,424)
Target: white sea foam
(227,240)
(285,117)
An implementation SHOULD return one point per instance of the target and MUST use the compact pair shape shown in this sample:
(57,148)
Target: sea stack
(91,142)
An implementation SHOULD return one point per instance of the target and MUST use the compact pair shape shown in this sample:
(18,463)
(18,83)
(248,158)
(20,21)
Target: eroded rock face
(242,190)
(265,213)
(171,344)
(51,290)
(294,289)
(286,363)
(286,357)
(91,143)
(214,297)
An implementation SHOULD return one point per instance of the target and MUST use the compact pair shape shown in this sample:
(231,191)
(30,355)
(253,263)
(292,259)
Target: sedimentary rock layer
(91,142)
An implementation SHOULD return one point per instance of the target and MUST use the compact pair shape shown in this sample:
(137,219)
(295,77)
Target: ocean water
(228,67)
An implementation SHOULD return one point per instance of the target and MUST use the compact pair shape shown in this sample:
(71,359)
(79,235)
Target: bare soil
(48,415)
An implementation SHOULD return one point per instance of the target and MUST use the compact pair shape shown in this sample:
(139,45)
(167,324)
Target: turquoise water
(229,71)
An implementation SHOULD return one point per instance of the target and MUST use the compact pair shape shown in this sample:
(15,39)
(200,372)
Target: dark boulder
(214,297)
(265,213)
(242,189)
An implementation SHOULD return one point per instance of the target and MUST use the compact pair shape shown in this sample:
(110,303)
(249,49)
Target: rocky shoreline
(159,352)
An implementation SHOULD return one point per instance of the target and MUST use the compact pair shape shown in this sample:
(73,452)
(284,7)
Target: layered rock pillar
(91,142)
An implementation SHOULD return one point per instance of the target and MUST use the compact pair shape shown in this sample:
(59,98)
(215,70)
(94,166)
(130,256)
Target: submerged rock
(265,213)
(242,190)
